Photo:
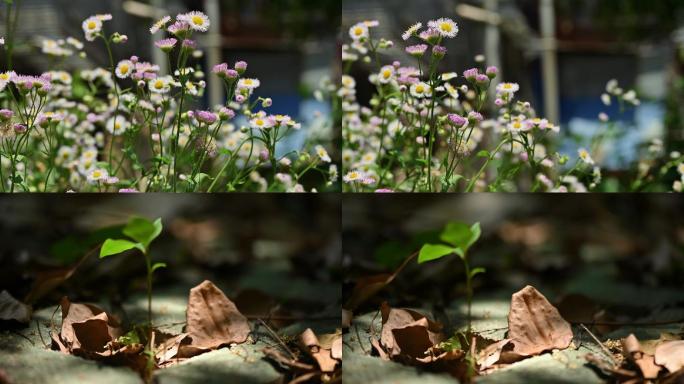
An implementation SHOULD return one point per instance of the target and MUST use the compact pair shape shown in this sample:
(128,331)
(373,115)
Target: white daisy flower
(262,122)
(386,74)
(411,31)
(421,90)
(96,175)
(91,27)
(358,31)
(117,125)
(445,26)
(248,83)
(323,154)
(160,84)
(585,156)
(161,23)
(348,82)
(124,69)
(509,88)
(353,176)
(198,21)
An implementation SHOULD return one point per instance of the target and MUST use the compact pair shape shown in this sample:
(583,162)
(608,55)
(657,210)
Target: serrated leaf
(431,252)
(143,230)
(115,246)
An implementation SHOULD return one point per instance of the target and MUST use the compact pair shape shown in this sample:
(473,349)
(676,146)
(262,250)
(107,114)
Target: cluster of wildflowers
(131,127)
(425,130)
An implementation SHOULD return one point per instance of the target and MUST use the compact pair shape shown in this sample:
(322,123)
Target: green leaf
(116,246)
(483,154)
(129,338)
(431,252)
(477,271)
(143,230)
(157,266)
(460,235)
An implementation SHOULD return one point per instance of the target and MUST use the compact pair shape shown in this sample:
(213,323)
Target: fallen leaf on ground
(491,354)
(534,325)
(670,354)
(407,333)
(86,328)
(212,319)
(646,363)
(322,354)
(168,350)
(13,309)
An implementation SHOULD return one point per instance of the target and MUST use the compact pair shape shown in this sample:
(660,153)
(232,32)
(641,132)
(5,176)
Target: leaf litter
(212,321)
(535,327)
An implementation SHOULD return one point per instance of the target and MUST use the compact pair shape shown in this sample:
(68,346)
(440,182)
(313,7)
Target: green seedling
(140,232)
(457,238)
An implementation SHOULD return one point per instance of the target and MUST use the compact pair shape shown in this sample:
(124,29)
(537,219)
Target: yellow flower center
(386,74)
(198,20)
(124,68)
(420,89)
(358,31)
(92,25)
(97,174)
(446,27)
(159,84)
(248,82)
(4,76)
(508,86)
(259,122)
(353,176)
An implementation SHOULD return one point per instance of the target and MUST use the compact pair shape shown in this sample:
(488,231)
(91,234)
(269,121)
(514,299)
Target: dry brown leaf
(167,351)
(323,356)
(336,349)
(534,325)
(85,328)
(407,334)
(491,354)
(646,363)
(212,319)
(13,309)
(670,354)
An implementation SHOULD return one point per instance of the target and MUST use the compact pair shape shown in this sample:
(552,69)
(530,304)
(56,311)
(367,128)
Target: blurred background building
(290,45)
(563,52)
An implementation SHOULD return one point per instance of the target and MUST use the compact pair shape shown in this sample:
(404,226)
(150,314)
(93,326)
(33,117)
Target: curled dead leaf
(407,335)
(534,325)
(646,363)
(86,328)
(212,319)
(670,354)
(491,354)
(323,356)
